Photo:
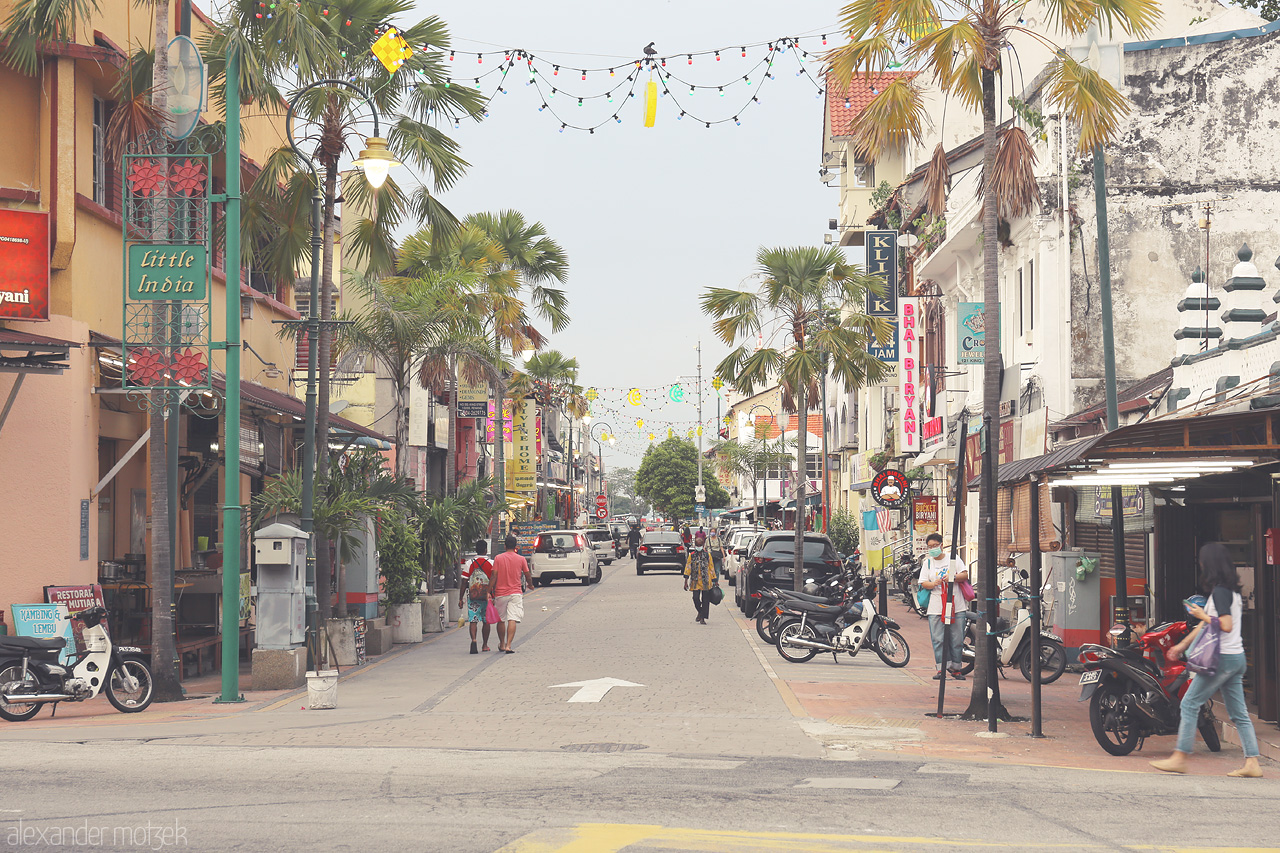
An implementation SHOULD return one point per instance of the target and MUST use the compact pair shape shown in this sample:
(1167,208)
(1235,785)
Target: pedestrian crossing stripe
(616,837)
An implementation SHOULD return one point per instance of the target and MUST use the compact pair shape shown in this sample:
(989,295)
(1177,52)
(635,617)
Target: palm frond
(34,23)
(1013,178)
(894,118)
(937,182)
(1087,97)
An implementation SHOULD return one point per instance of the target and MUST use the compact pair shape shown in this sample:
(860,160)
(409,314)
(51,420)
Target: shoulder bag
(1203,659)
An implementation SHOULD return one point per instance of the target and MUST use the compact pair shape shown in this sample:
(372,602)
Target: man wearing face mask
(937,572)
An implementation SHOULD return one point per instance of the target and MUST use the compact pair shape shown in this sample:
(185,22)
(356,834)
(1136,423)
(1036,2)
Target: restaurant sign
(882,261)
(24,265)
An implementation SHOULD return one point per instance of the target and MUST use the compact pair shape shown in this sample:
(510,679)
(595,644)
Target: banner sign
(882,260)
(933,432)
(24,265)
(908,400)
(45,621)
(925,512)
(167,272)
(506,422)
(971,333)
(522,475)
(473,399)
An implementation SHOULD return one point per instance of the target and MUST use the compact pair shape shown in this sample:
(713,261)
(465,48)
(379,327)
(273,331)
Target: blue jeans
(956,637)
(1230,680)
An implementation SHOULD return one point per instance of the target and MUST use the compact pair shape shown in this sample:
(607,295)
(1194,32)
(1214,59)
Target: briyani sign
(24,265)
(909,401)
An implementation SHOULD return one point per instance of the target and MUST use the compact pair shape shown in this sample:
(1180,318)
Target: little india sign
(168,272)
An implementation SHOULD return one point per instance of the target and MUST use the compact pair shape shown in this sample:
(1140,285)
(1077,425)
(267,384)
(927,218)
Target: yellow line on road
(784,690)
(613,838)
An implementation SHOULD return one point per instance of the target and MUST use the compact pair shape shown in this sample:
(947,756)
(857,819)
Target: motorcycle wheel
(892,648)
(1120,742)
(126,700)
(1053,661)
(764,624)
(968,653)
(795,654)
(17,713)
(1209,732)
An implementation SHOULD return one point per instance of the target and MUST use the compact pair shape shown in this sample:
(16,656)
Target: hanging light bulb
(717,56)
(562,127)
(690,58)
(744,52)
(584,74)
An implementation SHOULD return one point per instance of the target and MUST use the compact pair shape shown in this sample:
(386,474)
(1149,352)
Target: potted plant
(401,572)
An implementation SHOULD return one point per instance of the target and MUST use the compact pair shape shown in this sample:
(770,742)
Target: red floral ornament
(145,178)
(146,366)
(189,367)
(186,178)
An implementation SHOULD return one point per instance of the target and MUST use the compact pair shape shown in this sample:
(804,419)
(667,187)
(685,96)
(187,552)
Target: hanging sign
(473,399)
(891,489)
(24,265)
(167,272)
(971,333)
(523,462)
(506,422)
(925,517)
(882,261)
(908,399)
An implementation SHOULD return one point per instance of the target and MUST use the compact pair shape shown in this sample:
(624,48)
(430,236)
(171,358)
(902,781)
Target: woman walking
(1220,582)
(700,575)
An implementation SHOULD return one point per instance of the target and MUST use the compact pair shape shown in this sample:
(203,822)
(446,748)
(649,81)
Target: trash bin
(322,690)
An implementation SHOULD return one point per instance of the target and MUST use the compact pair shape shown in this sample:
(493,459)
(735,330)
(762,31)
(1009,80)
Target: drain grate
(872,722)
(602,747)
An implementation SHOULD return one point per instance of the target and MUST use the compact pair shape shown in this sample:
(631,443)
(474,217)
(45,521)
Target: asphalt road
(433,749)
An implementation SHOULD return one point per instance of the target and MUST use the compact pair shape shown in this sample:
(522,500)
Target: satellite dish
(186,90)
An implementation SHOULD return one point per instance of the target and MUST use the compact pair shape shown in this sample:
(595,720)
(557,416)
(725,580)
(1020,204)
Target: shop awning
(27,352)
(262,397)
(809,500)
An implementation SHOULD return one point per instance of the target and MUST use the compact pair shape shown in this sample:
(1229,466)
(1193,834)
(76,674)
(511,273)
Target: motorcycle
(1013,642)
(837,590)
(30,675)
(906,580)
(845,628)
(1136,692)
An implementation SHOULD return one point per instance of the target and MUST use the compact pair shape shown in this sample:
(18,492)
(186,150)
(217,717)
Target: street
(705,747)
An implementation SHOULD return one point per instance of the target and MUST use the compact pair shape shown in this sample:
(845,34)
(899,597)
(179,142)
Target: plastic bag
(1203,659)
(491,614)
(717,594)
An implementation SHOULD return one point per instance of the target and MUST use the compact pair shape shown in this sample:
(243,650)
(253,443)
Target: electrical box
(1077,599)
(280,554)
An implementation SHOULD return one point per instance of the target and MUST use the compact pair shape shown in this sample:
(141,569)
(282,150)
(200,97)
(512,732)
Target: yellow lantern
(650,103)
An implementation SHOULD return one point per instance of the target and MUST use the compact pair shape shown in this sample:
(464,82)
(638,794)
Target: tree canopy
(668,475)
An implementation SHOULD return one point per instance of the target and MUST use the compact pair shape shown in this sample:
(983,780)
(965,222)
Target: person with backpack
(473,592)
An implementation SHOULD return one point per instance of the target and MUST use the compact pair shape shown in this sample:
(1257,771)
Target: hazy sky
(648,217)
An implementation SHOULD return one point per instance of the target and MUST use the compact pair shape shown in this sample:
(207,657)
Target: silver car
(602,543)
(563,555)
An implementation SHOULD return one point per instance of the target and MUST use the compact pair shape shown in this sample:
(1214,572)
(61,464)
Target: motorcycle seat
(814,607)
(802,596)
(31,643)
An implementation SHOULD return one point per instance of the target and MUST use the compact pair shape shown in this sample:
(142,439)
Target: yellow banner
(522,473)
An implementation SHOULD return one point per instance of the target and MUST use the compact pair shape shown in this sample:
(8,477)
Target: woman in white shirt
(937,570)
(1219,580)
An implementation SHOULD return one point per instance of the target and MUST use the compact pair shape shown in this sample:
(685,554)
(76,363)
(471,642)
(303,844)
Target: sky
(649,217)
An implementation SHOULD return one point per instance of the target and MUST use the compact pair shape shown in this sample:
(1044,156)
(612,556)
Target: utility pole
(701,491)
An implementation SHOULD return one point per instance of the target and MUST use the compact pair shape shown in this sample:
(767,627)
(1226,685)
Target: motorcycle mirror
(1024,574)
(1118,630)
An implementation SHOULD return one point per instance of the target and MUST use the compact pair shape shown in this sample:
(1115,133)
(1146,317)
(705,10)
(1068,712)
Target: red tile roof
(858,94)
(767,427)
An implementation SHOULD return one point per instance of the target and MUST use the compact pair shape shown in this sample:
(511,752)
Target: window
(864,175)
(1021,304)
(101,115)
(1031,295)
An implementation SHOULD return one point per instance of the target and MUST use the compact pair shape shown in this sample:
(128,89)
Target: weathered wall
(1203,126)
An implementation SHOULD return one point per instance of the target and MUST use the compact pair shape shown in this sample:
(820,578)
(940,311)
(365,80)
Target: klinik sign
(909,350)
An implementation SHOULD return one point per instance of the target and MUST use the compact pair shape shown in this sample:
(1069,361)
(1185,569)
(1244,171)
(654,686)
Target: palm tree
(961,48)
(551,378)
(402,319)
(796,285)
(751,461)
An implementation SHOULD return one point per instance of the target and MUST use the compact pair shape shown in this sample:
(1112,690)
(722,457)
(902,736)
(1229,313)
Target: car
(769,564)
(563,555)
(660,548)
(735,549)
(602,541)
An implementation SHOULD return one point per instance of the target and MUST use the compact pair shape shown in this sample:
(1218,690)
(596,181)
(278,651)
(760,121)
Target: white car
(563,555)
(602,541)
(738,540)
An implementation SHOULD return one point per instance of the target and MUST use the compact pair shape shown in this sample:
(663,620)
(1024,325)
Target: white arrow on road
(594,690)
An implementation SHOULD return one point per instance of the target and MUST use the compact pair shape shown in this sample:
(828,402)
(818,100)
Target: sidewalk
(861,704)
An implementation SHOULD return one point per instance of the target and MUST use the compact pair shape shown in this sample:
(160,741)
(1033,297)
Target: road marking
(784,690)
(595,689)
(613,838)
(855,783)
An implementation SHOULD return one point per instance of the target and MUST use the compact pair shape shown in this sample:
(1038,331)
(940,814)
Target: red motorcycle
(1136,692)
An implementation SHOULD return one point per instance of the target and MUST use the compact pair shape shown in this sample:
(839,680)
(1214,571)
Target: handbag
(922,598)
(1203,659)
(716,594)
(966,590)
(491,614)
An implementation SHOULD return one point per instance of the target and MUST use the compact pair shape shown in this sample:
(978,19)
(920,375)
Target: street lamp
(376,161)
(607,434)
(752,417)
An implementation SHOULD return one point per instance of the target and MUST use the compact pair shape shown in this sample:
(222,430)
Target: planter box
(377,637)
(435,612)
(406,622)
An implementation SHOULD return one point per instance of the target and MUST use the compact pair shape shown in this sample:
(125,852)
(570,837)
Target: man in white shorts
(509,568)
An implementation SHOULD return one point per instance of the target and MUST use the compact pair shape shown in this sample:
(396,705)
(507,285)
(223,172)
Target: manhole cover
(602,747)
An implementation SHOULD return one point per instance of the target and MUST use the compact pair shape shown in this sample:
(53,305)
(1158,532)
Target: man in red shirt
(473,592)
(509,569)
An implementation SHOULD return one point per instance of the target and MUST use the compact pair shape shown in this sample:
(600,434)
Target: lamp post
(607,435)
(765,502)
(376,162)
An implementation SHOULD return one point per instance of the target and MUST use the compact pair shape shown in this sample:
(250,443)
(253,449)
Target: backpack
(478,588)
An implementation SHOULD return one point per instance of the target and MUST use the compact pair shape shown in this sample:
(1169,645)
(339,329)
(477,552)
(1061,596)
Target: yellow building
(73,448)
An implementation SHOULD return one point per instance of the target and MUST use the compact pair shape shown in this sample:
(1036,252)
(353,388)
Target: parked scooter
(30,675)
(1136,692)
(848,628)
(1013,642)
(836,590)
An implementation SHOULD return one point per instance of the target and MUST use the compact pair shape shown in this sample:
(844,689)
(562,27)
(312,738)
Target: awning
(861,487)
(809,500)
(1024,469)
(262,397)
(943,454)
(739,509)
(27,352)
